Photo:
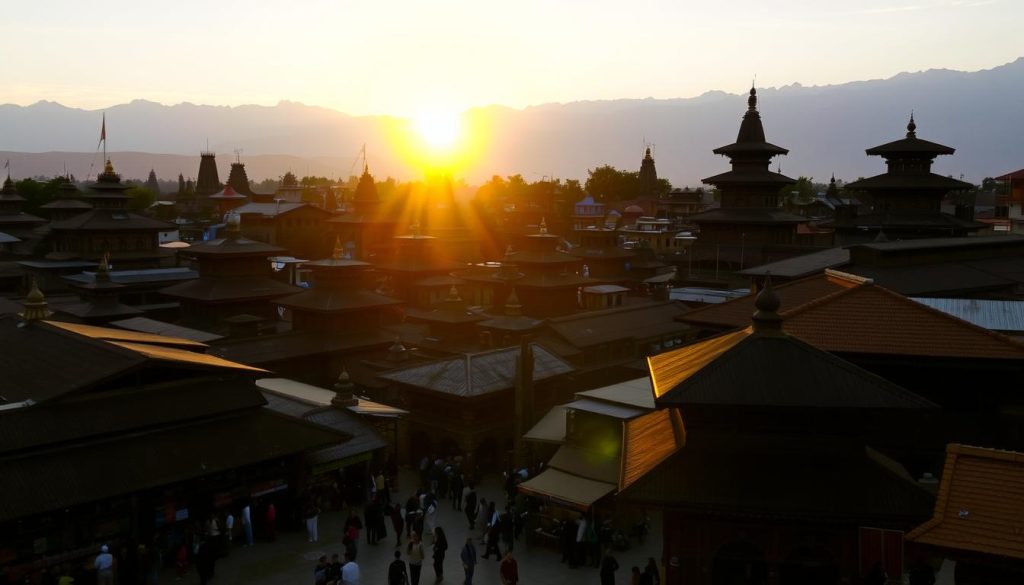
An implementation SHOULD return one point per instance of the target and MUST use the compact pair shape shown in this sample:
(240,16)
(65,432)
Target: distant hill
(826,129)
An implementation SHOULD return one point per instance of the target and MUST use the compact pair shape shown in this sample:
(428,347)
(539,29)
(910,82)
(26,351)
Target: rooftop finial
(453,295)
(344,390)
(415,229)
(766,319)
(103,270)
(36,308)
(234,227)
(339,251)
(512,305)
(911,126)
(543,225)
(752,100)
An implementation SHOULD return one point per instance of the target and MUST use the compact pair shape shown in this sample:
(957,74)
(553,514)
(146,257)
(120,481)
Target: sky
(398,58)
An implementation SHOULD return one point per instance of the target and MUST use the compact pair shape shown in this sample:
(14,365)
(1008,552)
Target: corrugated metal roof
(479,373)
(606,408)
(1007,316)
(635,392)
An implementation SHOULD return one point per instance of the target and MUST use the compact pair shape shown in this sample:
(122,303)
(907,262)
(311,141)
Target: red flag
(103,131)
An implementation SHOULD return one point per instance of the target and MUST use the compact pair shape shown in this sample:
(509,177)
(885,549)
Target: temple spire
(103,270)
(344,391)
(911,126)
(752,100)
(339,251)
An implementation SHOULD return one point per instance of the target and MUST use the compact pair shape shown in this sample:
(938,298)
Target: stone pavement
(290,560)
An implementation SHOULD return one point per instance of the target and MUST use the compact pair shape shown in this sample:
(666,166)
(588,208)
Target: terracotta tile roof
(980,504)
(737,312)
(872,319)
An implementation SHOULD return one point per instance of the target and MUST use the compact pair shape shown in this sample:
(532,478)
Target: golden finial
(543,225)
(453,295)
(36,308)
(103,270)
(512,306)
(108,169)
(415,229)
(339,252)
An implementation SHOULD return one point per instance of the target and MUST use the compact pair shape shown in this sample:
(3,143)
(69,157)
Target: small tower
(208,181)
(152,184)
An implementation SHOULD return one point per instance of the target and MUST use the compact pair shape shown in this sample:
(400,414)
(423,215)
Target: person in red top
(509,570)
(271,518)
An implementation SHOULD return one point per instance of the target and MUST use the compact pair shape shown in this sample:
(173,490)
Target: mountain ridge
(826,127)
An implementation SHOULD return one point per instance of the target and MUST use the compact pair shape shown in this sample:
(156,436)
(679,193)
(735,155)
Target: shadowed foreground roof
(93,470)
(479,373)
(980,504)
(784,477)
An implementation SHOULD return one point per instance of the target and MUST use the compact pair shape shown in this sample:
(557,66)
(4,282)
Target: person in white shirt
(104,565)
(349,571)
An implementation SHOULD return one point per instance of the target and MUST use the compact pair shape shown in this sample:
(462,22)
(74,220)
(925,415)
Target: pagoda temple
(749,228)
(906,199)
(648,176)
(132,240)
(234,279)
(13,221)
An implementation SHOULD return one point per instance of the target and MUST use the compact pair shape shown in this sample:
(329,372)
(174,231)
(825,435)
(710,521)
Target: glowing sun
(439,129)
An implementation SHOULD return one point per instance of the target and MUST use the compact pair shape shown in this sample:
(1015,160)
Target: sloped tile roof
(872,319)
(737,312)
(980,504)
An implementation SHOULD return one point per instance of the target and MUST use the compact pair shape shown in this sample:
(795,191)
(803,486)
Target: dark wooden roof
(909,182)
(746,215)
(101,466)
(629,322)
(267,349)
(333,300)
(111,219)
(748,369)
(232,246)
(214,289)
(813,480)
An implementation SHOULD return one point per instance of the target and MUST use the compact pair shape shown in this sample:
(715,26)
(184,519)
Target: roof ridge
(986,452)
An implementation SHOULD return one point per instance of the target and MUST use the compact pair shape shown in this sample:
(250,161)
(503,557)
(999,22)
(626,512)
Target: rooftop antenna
(238,154)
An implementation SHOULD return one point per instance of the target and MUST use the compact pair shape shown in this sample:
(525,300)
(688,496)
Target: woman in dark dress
(440,546)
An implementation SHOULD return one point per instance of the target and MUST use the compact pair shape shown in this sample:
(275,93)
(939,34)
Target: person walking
(271,518)
(430,516)
(608,567)
(397,574)
(104,565)
(509,570)
(456,490)
(440,546)
(651,575)
(397,522)
(321,571)
(471,503)
(414,550)
(468,557)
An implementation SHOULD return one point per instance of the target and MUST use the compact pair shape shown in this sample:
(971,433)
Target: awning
(550,428)
(565,488)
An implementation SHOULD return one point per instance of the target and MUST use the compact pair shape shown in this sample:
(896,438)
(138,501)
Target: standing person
(271,519)
(412,505)
(456,490)
(468,557)
(397,574)
(104,565)
(505,523)
(651,575)
(247,523)
(350,572)
(471,506)
(397,523)
(383,490)
(635,576)
(312,515)
(580,552)
(608,567)
(509,570)
(415,552)
(370,521)
(440,546)
(206,560)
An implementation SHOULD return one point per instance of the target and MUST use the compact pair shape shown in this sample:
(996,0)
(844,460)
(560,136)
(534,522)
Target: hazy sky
(380,57)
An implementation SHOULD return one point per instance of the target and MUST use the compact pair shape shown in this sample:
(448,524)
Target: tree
(141,198)
(572,190)
(606,183)
(800,193)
